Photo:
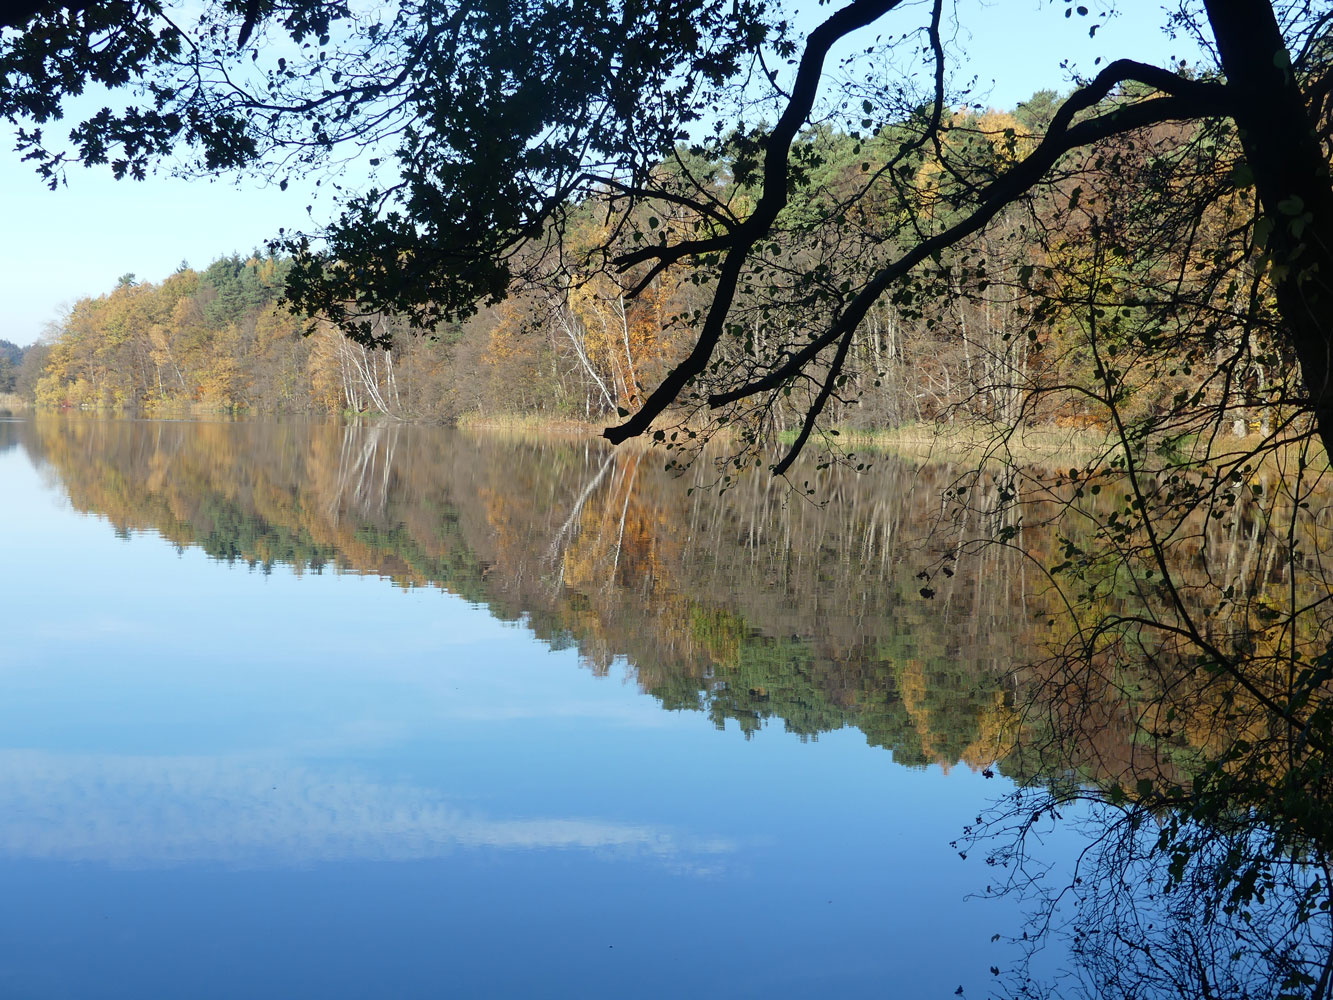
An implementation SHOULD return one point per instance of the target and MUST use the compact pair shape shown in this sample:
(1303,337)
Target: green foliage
(242,286)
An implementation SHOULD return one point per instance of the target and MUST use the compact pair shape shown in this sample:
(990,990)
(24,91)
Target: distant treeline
(980,335)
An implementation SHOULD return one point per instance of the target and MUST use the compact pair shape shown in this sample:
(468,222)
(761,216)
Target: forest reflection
(752,604)
(749,605)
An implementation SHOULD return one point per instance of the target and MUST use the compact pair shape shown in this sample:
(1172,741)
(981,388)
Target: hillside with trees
(995,335)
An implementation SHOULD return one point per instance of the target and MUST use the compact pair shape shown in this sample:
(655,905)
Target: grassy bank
(1053,447)
(922,442)
(971,442)
(530,424)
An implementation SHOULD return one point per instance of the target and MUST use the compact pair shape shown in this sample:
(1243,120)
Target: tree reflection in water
(1182,723)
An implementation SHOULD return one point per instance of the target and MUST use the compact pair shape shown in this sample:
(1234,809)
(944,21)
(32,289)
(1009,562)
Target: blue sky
(77,241)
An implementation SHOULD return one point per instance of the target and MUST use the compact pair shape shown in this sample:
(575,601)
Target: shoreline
(1047,445)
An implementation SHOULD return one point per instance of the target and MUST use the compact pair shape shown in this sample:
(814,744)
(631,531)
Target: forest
(982,338)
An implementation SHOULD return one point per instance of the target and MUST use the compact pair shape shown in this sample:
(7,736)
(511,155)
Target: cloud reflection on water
(147,812)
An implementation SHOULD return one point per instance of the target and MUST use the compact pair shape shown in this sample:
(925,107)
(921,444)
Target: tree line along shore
(981,342)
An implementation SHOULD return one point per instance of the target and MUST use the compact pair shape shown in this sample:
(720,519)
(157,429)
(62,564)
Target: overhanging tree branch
(854,16)
(1189,100)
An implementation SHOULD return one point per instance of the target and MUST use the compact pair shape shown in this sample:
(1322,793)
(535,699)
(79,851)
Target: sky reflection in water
(216,781)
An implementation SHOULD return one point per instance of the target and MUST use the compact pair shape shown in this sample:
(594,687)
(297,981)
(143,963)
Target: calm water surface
(305,710)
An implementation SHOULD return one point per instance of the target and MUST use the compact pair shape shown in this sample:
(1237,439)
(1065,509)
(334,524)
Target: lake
(307,709)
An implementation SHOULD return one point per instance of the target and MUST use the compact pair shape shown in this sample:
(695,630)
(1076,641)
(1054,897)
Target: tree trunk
(1292,179)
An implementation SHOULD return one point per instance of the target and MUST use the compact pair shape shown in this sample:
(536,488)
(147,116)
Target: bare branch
(854,16)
